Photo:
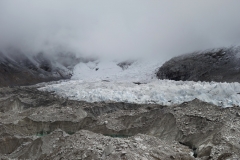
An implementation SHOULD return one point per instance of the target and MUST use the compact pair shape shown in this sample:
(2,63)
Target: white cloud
(119,27)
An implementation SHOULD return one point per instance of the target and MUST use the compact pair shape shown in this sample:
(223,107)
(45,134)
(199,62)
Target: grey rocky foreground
(40,125)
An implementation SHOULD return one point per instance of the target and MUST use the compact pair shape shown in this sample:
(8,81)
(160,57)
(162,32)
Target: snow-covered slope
(142,71)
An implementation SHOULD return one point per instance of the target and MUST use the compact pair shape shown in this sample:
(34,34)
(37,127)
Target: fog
(119,28)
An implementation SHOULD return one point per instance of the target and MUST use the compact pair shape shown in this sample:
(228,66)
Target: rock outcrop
(41,125)
(220,65)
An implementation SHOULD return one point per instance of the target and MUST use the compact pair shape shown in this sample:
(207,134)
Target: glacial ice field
(106,81)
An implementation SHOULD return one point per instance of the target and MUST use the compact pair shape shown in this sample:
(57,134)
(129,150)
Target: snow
(139,71)
(95,71)
(163,92)
(106,81)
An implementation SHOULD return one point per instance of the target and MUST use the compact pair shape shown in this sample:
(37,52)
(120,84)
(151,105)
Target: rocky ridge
(220,65)
(18,68)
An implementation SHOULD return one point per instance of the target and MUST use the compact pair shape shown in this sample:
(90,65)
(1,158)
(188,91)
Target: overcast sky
(119,27)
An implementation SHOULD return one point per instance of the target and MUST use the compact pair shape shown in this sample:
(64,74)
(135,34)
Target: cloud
(119,28)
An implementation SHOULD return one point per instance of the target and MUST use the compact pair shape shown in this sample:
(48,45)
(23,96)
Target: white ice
(164,92)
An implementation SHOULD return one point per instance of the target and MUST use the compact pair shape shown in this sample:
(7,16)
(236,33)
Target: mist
(119,28)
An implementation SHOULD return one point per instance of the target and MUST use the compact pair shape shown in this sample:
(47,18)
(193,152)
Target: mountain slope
(17,68)
(220,65)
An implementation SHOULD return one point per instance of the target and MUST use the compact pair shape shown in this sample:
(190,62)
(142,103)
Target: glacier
(106,81)
(165,92)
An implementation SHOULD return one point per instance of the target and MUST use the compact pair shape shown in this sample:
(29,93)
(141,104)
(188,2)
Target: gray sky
(119,27)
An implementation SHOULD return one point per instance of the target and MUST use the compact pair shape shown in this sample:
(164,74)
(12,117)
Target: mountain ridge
(17,68)
(220,65)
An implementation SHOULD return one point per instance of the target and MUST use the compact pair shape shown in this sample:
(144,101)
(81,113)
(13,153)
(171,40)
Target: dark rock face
(16,69)
(221,65)
(124,65)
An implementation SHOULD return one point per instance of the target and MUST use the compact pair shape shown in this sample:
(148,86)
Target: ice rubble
(164,92)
